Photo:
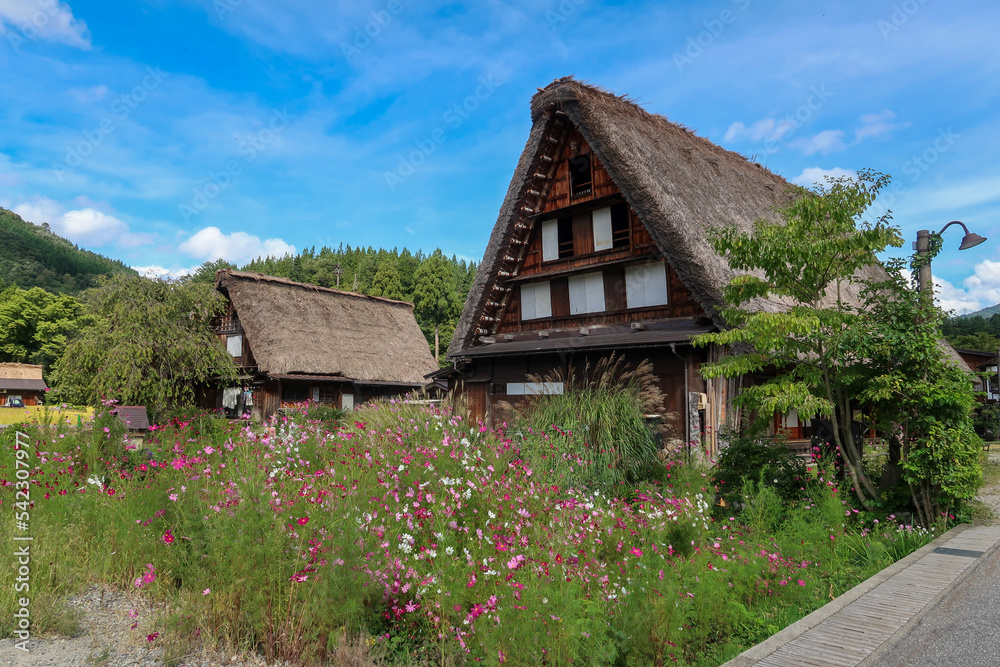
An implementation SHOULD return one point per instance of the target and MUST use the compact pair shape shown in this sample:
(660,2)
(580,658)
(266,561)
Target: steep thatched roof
(679,184)
(298,328)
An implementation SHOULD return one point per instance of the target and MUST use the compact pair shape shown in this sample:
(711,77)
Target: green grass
(44,414)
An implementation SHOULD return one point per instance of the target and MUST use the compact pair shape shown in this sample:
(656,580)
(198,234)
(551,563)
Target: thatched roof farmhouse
(300,342)
(601,245)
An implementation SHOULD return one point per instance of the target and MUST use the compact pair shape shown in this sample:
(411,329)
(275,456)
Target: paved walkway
(939,606)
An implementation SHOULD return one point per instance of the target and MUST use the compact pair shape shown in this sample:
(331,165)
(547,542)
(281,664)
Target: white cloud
(239,247)
(825,142)
(766,129)
(982,289)
(156,271)
(50,20)
(811,176)
(88,226)
(984,283)
(951,298)
(877,125)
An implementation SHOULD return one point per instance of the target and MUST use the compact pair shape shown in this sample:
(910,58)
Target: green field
(44,414)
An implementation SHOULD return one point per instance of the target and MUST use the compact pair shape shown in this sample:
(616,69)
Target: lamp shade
(970,240)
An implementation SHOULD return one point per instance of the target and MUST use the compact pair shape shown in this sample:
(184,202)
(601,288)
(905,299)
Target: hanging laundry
(229,397)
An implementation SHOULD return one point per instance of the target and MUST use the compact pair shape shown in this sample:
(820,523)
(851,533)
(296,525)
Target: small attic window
(580,179)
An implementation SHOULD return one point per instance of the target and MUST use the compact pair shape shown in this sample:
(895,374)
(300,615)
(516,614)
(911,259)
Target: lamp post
(971,239)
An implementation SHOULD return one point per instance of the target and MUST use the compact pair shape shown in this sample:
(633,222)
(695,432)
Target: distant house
(297,342)
(984,362)
(21,381)
(601,246)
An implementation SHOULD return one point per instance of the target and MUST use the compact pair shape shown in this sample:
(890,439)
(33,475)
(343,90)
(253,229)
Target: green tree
(150,343)
(35,325)
(386,282)
(807,261)
(435,298)
(830,355)
(922,401)
(206,272)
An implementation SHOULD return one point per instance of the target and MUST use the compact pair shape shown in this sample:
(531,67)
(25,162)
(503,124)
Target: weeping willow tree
(149,343)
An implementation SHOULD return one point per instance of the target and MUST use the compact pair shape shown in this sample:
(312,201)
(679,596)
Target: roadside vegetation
(408,535)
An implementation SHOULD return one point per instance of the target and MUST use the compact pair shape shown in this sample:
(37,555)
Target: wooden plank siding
(611,261)
(559,192)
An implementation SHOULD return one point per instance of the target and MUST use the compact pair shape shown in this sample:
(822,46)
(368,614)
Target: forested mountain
(33,256)
(985,312)
(973,332)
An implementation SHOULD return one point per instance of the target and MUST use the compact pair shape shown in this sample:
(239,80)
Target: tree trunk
(437,344)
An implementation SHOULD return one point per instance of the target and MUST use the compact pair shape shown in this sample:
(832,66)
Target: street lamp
(970,240)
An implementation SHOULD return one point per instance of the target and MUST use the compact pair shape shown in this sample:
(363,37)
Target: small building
(297,342)
(23,382)
(985,363)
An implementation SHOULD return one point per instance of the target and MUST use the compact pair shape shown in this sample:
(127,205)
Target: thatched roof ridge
(297,328)
(681,186)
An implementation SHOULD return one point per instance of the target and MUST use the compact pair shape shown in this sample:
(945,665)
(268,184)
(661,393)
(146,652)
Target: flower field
(432,540)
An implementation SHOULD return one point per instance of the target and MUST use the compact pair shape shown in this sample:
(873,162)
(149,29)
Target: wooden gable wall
(604,192)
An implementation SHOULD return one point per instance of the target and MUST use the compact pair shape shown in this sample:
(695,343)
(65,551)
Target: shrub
(756,457)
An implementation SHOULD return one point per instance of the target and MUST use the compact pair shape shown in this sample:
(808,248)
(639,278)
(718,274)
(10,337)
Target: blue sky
(168,133)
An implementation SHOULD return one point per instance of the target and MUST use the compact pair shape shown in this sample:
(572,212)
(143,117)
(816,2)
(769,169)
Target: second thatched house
(298,342)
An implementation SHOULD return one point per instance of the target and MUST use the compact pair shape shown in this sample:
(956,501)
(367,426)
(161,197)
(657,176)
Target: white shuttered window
(586,293)
(536,301)
(550,240)
(602,229)
(646,285)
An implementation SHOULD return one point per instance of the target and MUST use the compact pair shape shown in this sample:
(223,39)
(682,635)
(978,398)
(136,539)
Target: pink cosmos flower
(303,521)
(206,591)
(168,537)
(148,577)
(152,637)
(637,552)
(173,496)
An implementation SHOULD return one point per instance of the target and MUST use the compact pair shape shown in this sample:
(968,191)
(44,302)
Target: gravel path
(108,640)
(990,495)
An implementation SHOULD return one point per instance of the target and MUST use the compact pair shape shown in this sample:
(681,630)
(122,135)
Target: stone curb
(755,654)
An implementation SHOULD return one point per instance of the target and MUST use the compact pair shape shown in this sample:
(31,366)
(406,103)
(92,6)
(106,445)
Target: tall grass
(594,434)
